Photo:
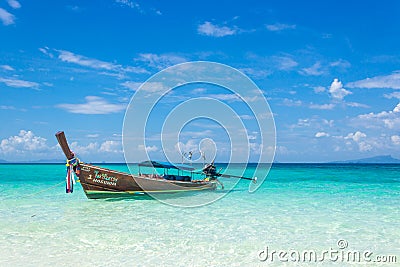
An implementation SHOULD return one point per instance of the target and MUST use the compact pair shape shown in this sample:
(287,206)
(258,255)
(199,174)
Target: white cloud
(6,17)
(116,70)
(267,65)
(303,123)
(364,146)
(267,115)
(70,57)
(328,122)
(148,148)
(319,89)
(359,138)
(282,150)
(280,27)
(341,63)
(27,146)
(92,135)
(136,6)
(135,70)
(256,148)
(93,148)
(356,105)
(246,117)
(314,70)
(384,81)
(356,137)
(48,84)
(312,123)
(196,134)
(209,29)
(3,107)
(24,142)
(337,91)
(93,105)
(153,87)
(131,85)
(128,3)
(160,61)
(291,103)
(225,97)
(7,67)
(252,137)
(84,150)
(111,147)
(46,51)
(392,95)
(389,119)
(255,73)
(284,62)
(322,106)
(279,150)
(395,139)
(199,90)
(190,145)
(321,134)
(19,83)
(14,4)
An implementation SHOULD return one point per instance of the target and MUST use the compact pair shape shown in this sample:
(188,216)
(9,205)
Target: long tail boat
(98,182)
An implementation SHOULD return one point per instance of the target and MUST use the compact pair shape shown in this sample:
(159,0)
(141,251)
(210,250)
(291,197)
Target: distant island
(386,159)
(40,161)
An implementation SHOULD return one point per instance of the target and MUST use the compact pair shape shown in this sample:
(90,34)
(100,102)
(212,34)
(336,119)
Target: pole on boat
(209,170)
(203,155)
(64,145)
(239,177)
(72,162)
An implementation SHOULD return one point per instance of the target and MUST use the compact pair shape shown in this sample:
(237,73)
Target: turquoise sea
(300,207)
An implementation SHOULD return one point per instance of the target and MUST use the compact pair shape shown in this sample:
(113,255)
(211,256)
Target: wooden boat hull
(100,182)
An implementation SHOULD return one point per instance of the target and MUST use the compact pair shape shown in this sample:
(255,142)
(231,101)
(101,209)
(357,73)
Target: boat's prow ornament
(70,180)
(72,168)
(72,162)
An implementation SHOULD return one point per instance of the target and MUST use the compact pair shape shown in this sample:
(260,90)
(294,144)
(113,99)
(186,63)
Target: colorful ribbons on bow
(72,166)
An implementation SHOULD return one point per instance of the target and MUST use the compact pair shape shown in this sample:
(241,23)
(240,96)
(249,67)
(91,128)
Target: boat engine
(211,172)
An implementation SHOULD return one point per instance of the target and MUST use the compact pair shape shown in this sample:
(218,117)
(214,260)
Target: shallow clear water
(299,207)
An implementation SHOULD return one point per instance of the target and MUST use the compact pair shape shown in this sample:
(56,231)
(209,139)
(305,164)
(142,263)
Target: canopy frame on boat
(166,165)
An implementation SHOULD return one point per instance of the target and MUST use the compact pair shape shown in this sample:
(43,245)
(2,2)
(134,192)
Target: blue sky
(329,69)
